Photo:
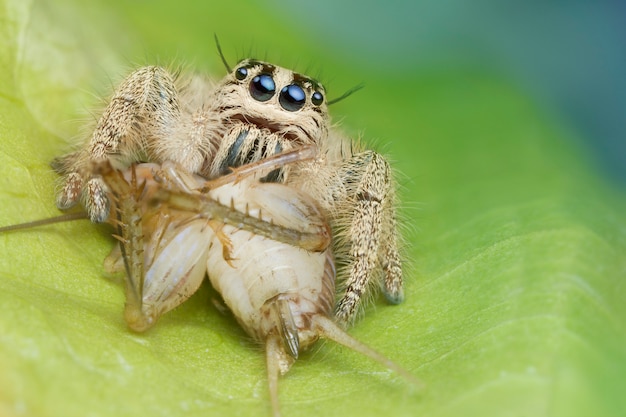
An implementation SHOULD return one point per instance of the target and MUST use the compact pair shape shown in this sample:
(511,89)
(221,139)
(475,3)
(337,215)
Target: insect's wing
(176,267)
(164,250)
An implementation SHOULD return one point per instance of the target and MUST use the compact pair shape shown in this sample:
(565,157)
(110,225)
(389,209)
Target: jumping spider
(256,111)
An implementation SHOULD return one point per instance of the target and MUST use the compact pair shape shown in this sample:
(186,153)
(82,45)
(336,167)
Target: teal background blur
(569,54)
(515,298)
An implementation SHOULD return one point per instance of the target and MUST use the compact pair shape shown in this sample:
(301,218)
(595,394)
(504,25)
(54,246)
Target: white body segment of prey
(165,279)
(262,271)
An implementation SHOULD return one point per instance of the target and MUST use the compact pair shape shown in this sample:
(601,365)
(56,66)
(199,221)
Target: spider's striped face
(277,99)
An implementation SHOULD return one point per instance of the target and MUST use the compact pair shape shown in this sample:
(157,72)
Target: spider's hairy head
(274,98)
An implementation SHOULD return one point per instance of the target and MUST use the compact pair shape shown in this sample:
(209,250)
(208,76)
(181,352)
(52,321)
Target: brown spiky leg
(127,219)
(160,273)
(371,235)
(182,192)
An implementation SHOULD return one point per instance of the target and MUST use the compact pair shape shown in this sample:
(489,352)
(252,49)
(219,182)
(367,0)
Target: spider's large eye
(317,98)
(241,73)
(292,97)
(262,87)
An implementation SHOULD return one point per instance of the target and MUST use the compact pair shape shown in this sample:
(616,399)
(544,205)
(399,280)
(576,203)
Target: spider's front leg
(371,238)
(145,106)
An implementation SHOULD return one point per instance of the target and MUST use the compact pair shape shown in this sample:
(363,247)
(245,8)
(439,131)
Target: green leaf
(514,301)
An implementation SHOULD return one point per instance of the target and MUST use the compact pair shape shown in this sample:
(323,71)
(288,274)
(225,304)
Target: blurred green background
(568,55)
(504,122)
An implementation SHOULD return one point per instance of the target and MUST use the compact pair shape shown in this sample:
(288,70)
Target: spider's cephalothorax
(266,109)
(258,110)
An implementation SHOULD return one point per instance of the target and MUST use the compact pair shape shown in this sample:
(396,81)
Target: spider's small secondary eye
(241,73)
(317,98)
(262,87)
(292,97)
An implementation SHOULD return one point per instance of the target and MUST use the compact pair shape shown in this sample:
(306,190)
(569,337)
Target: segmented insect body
(167,230)
(256,111)
(267,254)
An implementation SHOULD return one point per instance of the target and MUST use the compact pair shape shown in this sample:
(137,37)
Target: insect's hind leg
(160,273)
(127,219)
(145,106)
(262,167)
(303,224)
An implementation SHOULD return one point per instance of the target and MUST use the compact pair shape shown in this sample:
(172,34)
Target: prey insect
(268,255)
(256,111)
(167,229)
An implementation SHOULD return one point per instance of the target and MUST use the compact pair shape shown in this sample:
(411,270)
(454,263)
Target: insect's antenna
(346,94)
(43,222)
(329,330)
(219,51)
(272,355)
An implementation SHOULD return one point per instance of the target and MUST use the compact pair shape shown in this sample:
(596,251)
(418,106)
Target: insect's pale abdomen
(262,270)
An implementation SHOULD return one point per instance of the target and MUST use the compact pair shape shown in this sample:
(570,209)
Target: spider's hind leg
(370,248)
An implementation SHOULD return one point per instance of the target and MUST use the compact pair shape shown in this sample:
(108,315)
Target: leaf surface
(514,300)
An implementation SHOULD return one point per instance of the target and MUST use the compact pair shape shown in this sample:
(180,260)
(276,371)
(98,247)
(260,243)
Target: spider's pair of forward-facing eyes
(291,97)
